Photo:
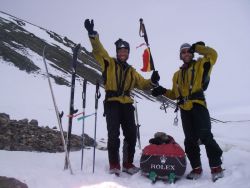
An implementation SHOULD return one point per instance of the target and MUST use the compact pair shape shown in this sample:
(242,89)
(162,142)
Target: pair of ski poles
(97,96)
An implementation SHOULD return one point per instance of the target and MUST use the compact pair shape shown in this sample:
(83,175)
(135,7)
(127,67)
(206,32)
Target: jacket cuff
(154,84)
(93,34)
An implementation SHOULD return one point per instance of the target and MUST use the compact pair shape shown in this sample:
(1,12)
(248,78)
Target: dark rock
(33,122)
(6,182)
(23,121)
(24,136)
(4,119)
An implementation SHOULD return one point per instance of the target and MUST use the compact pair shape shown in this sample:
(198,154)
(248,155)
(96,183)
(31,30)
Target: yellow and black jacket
(190,82)
(119,78)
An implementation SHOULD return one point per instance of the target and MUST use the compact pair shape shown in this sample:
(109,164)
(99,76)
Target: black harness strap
(199,95)
(121,89)
(192,81)
(110,94)
(205,76)
(118,82)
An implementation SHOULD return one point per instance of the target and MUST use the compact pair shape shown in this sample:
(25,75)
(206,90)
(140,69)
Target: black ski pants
(118,114)
(197,129)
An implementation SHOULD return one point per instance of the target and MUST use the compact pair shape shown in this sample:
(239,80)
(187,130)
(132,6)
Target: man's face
(122,54)
(186,56)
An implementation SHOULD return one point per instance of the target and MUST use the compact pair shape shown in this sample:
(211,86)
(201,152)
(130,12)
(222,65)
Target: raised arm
(209,53)
(99,52)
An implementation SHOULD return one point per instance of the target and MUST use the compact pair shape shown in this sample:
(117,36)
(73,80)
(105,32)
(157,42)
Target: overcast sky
(221,24)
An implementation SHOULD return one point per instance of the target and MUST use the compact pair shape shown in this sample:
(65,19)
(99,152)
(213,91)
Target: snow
(224,26)
(39,32)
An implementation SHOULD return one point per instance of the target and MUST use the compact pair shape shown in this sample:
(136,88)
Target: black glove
(90,27)
(155,77)
(192,48)
(158,91)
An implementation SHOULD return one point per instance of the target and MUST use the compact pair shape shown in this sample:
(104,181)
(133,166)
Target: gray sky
(222,24)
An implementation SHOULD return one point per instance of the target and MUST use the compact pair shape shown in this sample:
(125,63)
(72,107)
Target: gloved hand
(192,48)
(155,77)
(89,26)
(158,91)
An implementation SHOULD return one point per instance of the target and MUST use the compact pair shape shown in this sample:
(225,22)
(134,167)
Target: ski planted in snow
(72,111)
(58,115)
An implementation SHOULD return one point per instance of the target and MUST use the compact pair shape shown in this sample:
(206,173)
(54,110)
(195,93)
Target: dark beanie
(184,46)
(121,44)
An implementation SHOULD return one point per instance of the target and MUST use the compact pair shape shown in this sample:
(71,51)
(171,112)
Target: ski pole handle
(143,32)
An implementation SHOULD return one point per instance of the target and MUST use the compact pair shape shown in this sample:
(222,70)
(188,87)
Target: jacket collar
(124,65)
(185,66)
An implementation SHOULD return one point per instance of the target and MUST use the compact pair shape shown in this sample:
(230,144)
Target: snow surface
(224,26)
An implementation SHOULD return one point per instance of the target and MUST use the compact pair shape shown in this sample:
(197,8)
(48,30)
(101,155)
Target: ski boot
(217,172)
(115,169)
(130,168)
(195,174)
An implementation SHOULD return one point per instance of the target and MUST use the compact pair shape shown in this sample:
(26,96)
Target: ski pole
(149,65)
(58,115)
(137,125)
(97,96)
(83,106)
(143,33)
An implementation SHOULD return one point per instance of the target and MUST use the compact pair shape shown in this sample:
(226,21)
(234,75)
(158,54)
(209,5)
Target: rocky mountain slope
(22,45)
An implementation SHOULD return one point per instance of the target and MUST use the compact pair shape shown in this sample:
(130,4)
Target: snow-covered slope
(39,170)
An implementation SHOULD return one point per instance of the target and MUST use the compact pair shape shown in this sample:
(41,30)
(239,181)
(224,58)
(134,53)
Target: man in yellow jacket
(189,84)
(119,79)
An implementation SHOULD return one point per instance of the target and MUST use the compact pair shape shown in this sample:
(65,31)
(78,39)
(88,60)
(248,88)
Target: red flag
(147,61)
